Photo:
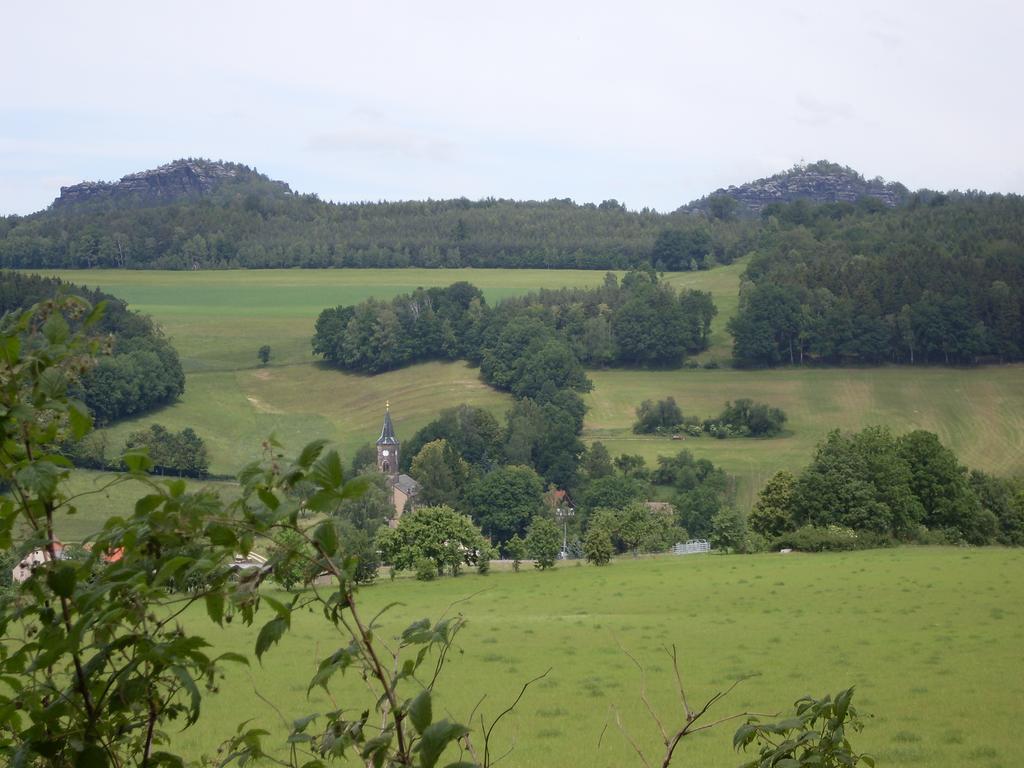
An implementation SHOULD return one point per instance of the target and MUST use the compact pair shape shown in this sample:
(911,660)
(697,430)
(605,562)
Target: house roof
(659,506)
(407,485)
(387,432)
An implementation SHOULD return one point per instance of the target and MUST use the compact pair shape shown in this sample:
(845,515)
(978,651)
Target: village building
(403,488)
(33,560)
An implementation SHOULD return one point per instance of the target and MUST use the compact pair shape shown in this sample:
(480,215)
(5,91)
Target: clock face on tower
(386,452)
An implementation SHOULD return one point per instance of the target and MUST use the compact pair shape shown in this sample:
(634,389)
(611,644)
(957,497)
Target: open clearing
(932,639)
(218,320)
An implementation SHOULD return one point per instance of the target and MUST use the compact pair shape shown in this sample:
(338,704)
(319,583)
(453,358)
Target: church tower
(387,447)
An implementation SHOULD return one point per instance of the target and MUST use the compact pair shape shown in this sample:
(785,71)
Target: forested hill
(200,214)
(938,280)
(139,371)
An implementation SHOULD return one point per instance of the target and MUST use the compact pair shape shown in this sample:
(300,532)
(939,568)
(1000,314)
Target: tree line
(140,370)
(522,342)
(938,280)
(870,487)
(251,222)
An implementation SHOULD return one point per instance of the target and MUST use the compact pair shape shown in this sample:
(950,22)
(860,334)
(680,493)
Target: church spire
(387,432)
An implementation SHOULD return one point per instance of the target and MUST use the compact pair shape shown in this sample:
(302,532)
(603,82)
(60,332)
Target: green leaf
(436,738)
(137,462)
(41,478)
(323,501)
(79,419)
(232,656)
(328,472)
(221,535)
(268,498)
(326,538)
(270,633)
(300,725)
(310,453)
(215,607)
(147,504)
(421,711)
(56,329)
(10,347)
(169,569)
(355,488)
(61,579)
(195,698)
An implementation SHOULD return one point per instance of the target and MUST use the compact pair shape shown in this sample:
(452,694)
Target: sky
(651,103)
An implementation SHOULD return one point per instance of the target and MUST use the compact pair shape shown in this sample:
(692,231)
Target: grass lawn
(932,639)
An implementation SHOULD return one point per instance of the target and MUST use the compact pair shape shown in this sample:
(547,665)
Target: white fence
(692,547)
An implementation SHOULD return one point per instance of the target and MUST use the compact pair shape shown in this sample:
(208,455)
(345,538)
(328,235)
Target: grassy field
(217,321)
(979,413)
(931,638)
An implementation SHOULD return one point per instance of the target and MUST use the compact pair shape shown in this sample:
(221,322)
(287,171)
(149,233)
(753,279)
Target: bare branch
(633,744)
(643,693)
(509,708)
(679,682)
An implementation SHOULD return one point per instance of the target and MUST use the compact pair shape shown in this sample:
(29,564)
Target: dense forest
(142,370)
(251,221)
(938,280)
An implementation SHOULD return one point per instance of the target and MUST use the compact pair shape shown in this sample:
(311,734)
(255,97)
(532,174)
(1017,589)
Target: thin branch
(679,681)
(633,744)
(465,599)
(509,708)
(643,692)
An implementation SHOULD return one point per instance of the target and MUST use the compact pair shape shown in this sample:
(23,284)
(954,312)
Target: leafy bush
(425,569)
(653,417)
(816,735)
(597,546)
(811,538)
(543,542)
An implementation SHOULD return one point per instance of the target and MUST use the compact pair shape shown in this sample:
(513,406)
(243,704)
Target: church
(403,488)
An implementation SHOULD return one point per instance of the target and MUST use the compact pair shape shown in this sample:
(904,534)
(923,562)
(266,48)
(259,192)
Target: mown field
(979,413)
(932,638)
(218,320)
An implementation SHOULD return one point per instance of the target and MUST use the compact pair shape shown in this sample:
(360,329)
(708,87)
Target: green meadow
(932,639)
(218,320)
(979,413)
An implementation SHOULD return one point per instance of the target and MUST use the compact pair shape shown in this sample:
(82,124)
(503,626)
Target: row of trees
(868,487)
(742,418)
(522,343)
(141,370)
(940,280)
(253,222)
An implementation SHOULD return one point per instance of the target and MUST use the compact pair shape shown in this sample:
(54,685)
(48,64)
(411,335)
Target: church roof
(407,485)
(387,432)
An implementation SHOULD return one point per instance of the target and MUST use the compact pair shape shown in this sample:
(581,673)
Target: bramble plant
(816,735)
(96,662)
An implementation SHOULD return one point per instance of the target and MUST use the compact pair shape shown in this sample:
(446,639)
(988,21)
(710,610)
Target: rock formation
(176,180)
(821,182)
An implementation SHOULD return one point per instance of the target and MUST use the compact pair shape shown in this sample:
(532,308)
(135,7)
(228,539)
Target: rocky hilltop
(821,182)
(179,179)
